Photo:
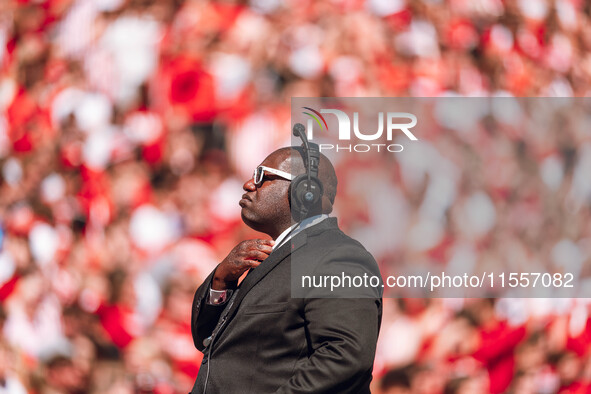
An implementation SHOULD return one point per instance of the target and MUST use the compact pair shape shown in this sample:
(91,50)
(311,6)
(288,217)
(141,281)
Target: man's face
(265,207)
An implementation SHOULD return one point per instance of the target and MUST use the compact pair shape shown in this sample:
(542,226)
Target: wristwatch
(219,297)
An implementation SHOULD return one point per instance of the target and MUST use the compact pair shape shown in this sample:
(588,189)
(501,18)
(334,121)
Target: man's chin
(249,221)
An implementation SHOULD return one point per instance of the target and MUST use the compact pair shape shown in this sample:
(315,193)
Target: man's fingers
(263,245)
(265,249)
(251,250)
(263,242)
(254,263)
(257,255)
(245,266)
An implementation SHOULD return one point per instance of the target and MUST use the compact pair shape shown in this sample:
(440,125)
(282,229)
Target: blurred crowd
(127,128)
(492,185)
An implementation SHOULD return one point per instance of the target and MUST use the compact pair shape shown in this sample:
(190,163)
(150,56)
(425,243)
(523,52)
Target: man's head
(266,206)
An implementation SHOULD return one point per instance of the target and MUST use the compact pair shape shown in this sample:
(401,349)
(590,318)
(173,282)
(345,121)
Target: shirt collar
(296,228)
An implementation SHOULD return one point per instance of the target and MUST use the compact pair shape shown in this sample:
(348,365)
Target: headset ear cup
(302,200)
(316,191)
(295,199)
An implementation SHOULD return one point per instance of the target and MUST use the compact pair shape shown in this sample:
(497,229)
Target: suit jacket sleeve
(204,317)
(342,334)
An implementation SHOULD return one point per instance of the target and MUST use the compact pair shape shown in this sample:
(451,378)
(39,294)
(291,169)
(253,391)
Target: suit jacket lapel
(276,257)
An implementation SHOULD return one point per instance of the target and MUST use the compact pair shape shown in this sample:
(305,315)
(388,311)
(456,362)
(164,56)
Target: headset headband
(310,195)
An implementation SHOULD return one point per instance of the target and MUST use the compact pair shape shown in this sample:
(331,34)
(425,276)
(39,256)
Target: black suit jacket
(265,341)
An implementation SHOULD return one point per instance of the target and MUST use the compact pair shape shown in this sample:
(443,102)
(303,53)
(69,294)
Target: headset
(306,190)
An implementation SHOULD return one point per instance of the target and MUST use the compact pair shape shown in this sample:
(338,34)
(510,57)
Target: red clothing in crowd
(575,388)
(118,322)
(496,352)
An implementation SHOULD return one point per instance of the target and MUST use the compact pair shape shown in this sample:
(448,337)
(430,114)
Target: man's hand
(246,255)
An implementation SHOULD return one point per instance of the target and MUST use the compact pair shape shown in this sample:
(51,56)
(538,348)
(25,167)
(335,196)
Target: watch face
(217,297)
(222,297)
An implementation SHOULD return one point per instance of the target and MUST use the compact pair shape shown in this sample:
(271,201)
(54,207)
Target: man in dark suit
(257,338)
